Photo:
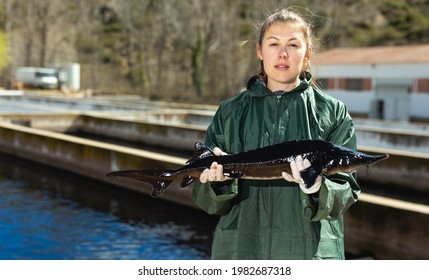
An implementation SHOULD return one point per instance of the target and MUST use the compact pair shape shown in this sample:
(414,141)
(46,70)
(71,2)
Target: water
(52,214)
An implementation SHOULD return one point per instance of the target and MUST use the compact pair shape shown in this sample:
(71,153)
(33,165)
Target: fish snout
(353,163)
(375,159)
(365,160)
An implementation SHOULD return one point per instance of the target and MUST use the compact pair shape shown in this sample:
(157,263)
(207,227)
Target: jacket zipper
(277,133)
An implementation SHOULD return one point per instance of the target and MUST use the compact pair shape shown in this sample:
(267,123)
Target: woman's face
(284,53)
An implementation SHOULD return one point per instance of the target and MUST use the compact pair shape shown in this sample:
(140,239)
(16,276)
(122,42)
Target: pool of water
(51,214)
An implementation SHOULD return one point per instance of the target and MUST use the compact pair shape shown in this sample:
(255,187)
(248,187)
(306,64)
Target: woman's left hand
(296,166)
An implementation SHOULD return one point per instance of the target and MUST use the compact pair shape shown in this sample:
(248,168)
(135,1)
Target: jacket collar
(257,87)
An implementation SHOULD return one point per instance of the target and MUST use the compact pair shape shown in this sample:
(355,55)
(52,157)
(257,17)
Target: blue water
(51,214)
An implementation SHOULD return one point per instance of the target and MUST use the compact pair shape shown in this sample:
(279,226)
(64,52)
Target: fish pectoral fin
(159,186)
(187,180)
(309,176)
(233,174)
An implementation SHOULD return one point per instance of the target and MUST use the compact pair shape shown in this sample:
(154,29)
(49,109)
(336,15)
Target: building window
(423,85)
(354,84)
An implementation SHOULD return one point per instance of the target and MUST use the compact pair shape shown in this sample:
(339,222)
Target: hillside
(185,50)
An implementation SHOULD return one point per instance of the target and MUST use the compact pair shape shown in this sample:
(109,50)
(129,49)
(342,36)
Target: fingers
(204,176)
(218,152)
(306,164)
(214,174)
(301,163)
(296,167)
(287,177)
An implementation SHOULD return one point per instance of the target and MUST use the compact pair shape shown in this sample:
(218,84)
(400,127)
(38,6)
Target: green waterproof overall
(274,219)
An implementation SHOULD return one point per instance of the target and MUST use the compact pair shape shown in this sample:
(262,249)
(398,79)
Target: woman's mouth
(282,67)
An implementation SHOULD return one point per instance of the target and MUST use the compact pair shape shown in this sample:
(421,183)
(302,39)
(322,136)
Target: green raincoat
(274,219)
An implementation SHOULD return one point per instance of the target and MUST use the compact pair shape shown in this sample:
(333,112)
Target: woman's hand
(215,173)
(296,167)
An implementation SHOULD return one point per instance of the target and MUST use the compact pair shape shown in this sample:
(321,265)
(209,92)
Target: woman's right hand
(215,172)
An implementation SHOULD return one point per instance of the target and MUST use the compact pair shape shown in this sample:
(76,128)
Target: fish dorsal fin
(200,151)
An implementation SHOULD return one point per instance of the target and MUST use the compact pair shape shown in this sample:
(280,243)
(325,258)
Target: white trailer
(37,77)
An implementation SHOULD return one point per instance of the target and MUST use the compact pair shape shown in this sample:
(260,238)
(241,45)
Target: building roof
(375,55)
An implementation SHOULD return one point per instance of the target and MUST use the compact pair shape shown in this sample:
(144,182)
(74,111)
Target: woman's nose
(283,54)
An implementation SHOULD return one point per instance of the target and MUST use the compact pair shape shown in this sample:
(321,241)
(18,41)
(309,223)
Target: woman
(278,219)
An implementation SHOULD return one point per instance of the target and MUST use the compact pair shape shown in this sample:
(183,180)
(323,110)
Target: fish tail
(160,179)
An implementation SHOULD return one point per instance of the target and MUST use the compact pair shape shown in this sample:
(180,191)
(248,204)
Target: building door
(392,100)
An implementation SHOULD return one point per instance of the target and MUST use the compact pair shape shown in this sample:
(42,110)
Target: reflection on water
(50,214)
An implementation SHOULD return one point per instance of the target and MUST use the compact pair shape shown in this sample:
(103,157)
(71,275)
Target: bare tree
(184,50)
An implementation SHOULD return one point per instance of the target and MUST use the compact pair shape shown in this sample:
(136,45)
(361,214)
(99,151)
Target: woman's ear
(308,54)
(259,51)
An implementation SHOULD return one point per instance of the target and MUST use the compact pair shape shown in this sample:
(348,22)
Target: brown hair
(286,16)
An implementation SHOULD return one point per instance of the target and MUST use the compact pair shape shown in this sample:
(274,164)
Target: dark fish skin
(263,163)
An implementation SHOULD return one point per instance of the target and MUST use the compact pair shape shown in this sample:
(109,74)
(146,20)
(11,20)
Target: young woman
(278,219)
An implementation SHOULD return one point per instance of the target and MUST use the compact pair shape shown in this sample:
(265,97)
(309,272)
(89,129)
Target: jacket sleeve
(339,191)
(215,198)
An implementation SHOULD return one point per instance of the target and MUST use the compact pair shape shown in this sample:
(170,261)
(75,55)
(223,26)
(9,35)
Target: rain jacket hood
(274,219)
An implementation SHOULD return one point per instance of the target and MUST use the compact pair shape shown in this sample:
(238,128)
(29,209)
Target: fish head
(342,159)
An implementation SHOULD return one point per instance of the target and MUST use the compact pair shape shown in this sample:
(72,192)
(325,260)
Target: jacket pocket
(330,249)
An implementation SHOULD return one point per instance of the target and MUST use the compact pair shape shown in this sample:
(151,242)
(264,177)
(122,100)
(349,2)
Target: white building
(389,83)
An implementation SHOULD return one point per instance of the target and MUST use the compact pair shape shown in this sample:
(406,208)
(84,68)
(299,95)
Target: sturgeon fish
(263,163)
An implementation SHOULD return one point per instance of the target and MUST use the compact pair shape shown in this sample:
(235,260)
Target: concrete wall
(88,158)
(180,136)
(380,232)
(176,135)
(406,169)
(181,129)
(59,122)
(393,139)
